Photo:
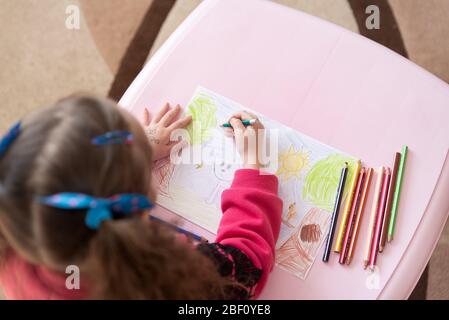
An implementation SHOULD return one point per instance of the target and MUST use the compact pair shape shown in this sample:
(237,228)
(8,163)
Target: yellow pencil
(347,209)
(369,240)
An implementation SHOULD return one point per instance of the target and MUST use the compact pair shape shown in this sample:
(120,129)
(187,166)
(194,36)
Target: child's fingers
(181,123)
(237,124)
(248,115)
(244,115)
(237,115)
(237,127)
(228,132)
(161,113)
(169,116)
(146,117)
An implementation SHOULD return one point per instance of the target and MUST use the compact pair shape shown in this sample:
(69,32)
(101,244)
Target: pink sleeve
(251,219)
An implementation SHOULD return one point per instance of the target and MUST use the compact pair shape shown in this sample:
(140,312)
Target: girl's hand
(159,128)
(247,138)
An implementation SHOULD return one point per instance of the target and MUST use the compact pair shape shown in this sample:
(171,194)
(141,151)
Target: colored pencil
(397,193)
(333,223)
(386,222)
(244,122)
(351,220)
(347,209)
(374,209)
(178,229)
(359,214)
(379,219)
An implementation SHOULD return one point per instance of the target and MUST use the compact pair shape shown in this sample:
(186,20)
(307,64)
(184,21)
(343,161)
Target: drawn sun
(292,162)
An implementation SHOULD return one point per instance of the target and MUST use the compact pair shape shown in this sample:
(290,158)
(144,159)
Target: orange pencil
(350,227)
(359,214)
(394,174)
(374,209)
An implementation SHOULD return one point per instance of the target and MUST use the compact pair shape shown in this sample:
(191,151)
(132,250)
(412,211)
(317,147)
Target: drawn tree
(203,112)
(322,181)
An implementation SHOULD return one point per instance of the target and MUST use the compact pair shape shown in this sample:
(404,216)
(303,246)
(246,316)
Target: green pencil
(397,194)
(244,122)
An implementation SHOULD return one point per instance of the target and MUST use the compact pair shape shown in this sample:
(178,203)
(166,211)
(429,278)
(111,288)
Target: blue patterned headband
(98,209)
(111,137)
(9,138)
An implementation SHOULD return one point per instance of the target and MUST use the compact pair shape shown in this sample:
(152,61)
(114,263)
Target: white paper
(308,173)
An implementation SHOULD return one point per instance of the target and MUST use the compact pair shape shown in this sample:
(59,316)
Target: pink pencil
(372,220)
(379,219)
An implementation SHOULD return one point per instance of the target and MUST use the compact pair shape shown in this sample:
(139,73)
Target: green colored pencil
(244,122)
(397,194)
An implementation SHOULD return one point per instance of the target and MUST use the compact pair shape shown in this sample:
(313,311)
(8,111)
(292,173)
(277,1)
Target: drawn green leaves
(322,180)
(203,112)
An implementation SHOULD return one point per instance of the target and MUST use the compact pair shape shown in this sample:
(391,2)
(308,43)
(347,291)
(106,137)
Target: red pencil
(379,219)
(350,227)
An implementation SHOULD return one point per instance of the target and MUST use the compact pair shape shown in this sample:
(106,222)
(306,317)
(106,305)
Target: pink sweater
(251,223)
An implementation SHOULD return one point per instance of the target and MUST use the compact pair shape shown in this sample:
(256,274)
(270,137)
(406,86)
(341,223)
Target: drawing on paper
(297,254)
(224,172)
(310,233)
(322,180)
(308,173)
(203,112)
(300,239)
(199,166)
(291,163)
(162,173)
(291,215)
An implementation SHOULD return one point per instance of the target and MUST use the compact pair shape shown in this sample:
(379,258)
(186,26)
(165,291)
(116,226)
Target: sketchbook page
(193,188)
(308,173)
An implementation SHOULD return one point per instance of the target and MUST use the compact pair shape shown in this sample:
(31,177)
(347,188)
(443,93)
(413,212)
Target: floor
(41,60)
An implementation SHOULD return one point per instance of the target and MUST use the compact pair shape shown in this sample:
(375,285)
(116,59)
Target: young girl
(75,182)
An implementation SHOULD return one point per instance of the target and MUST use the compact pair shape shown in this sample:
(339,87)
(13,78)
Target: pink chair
(337,87)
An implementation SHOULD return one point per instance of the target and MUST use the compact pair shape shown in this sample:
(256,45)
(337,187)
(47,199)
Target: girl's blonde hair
(127,258)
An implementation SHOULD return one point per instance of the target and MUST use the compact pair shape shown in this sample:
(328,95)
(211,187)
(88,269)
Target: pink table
(337,87)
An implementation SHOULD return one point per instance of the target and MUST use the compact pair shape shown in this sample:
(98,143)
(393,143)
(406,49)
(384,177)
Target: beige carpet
(41,60)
